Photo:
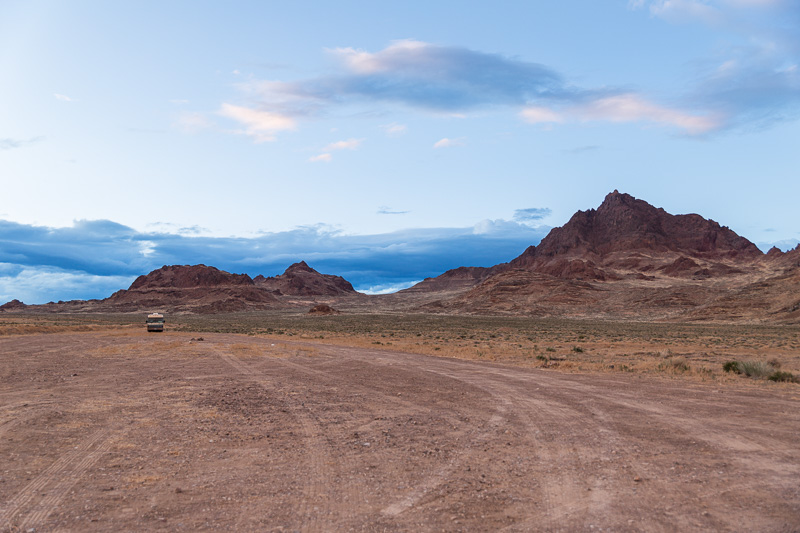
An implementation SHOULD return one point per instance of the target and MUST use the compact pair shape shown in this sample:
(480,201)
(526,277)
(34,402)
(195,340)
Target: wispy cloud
(10,144)
(98,257)
(583,149)
(449,143)
(321,158)
(633,108)
(394,129)
(537,115)
(531,214)
(262,126)
(384,210)
(349,144)
(627,107)
(62,97)
(752,76)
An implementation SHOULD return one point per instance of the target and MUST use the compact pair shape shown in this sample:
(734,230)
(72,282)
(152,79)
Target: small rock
(637,479)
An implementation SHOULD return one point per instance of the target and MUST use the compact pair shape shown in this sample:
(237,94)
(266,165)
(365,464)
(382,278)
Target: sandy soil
(109,431)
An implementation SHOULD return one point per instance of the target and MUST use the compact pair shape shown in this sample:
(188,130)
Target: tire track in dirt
(48,504)
(474,437)
(478,438)
(551,496)
(555,494)
(441,475)
(55,481)
(319,493)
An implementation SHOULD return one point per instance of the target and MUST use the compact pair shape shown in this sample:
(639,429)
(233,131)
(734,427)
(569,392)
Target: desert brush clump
(760,370)
(755,369)
(675,364)
(731,366)
(784,376)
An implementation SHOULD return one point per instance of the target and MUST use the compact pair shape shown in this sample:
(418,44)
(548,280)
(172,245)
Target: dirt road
(125,431)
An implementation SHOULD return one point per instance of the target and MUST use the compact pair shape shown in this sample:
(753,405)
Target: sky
(384,142)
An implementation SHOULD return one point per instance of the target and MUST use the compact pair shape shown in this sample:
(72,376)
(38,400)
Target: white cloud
(261,125)
(448,143)
(389,288)
(536,115)
(349,144)
(147,248)
(394,129)
(323,158)
(363,62)
(37,285)
(633,108)
(62,97)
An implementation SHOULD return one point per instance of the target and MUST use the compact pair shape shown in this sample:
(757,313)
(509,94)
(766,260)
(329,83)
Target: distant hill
(302,280)
(206,289)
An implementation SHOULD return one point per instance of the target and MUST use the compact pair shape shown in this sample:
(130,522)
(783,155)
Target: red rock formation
(302,280)
(623,223)
(188,276)
(13,305)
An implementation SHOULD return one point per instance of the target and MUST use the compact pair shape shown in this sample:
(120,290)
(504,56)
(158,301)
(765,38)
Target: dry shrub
(675,364)
(755,369)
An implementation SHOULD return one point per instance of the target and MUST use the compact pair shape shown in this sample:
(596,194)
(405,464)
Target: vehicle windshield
(154,320)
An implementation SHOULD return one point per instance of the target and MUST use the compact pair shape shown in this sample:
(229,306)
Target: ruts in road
(121,430)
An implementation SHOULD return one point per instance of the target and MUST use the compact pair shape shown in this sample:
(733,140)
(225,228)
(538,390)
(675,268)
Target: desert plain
(379,422)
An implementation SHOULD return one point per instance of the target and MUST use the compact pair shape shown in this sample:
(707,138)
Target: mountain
(455,279)
(629,259)
(191,288)
(188,276)
(626,235)
(302,280)
(13,305)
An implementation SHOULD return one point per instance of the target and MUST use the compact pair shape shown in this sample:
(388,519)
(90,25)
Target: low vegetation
(760,370)
(702,352)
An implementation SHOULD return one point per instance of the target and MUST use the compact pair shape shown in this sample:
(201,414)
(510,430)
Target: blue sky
(384,142)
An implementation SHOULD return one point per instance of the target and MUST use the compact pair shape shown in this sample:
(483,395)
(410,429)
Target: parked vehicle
(155,322)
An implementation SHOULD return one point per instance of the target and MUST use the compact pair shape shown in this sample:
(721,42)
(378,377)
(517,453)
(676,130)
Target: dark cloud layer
(423,75)
(91,257)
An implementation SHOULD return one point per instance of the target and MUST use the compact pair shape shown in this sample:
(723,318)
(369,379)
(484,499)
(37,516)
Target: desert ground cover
(696,351)
(286,427)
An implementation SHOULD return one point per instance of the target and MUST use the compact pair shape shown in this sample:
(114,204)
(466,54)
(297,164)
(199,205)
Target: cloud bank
(758,81)
(94,258)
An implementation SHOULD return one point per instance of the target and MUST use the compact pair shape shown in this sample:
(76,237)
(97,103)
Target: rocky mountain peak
(188,276)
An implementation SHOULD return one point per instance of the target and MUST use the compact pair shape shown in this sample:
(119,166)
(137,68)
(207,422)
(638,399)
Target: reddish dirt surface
(120,430)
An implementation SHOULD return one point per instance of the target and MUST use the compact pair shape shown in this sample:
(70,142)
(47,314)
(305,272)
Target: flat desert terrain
(116,429)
